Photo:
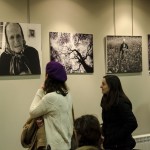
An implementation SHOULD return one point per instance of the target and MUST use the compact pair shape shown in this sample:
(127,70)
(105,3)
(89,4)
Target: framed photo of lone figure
(123,54)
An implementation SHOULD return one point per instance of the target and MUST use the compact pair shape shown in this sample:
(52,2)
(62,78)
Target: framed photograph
(149,52)
(31,33)
(123,54)
(1,35)
(74,51)
(20,49)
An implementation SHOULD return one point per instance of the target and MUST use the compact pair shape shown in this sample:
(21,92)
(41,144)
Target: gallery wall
(97,17)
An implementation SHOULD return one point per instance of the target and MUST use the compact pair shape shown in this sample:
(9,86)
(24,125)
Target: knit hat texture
(56,71)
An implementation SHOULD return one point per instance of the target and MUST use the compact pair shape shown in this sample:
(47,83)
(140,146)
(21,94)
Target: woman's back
(58,120)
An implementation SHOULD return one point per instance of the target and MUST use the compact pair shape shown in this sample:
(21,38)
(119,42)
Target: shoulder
(4,55)
(31,53)
(51,97)
(69,96)
(51,94)
(30,49)
(5,58)
(55,98)
(124,103)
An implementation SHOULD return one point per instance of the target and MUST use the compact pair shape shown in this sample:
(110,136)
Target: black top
(118,124)
(27,61)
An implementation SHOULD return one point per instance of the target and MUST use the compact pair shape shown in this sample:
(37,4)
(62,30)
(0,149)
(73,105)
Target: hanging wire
(28,11)
(114,18)
(132,14)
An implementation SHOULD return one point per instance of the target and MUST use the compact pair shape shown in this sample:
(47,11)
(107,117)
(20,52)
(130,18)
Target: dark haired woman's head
(88,130)
(111,89)
(55,78)
(113,83)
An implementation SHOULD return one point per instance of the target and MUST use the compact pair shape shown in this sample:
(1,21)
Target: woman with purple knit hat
(53,102)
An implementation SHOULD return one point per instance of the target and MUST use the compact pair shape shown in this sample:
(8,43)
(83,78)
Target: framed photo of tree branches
(74,51)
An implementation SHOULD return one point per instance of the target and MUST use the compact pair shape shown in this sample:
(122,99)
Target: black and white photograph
(149,52)
(31,33)
(1,34)
(74,51)
(123,54)
(20,52)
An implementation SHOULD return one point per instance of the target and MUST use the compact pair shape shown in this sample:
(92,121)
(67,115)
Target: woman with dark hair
(88,132)
(53,102)
(118,119)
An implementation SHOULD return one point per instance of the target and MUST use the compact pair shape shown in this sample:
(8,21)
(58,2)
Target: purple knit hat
(56,71)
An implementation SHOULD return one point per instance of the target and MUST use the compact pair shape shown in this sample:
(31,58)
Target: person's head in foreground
(88,130)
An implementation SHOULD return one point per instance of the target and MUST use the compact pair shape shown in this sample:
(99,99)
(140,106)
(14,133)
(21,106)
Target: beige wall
(81,16)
